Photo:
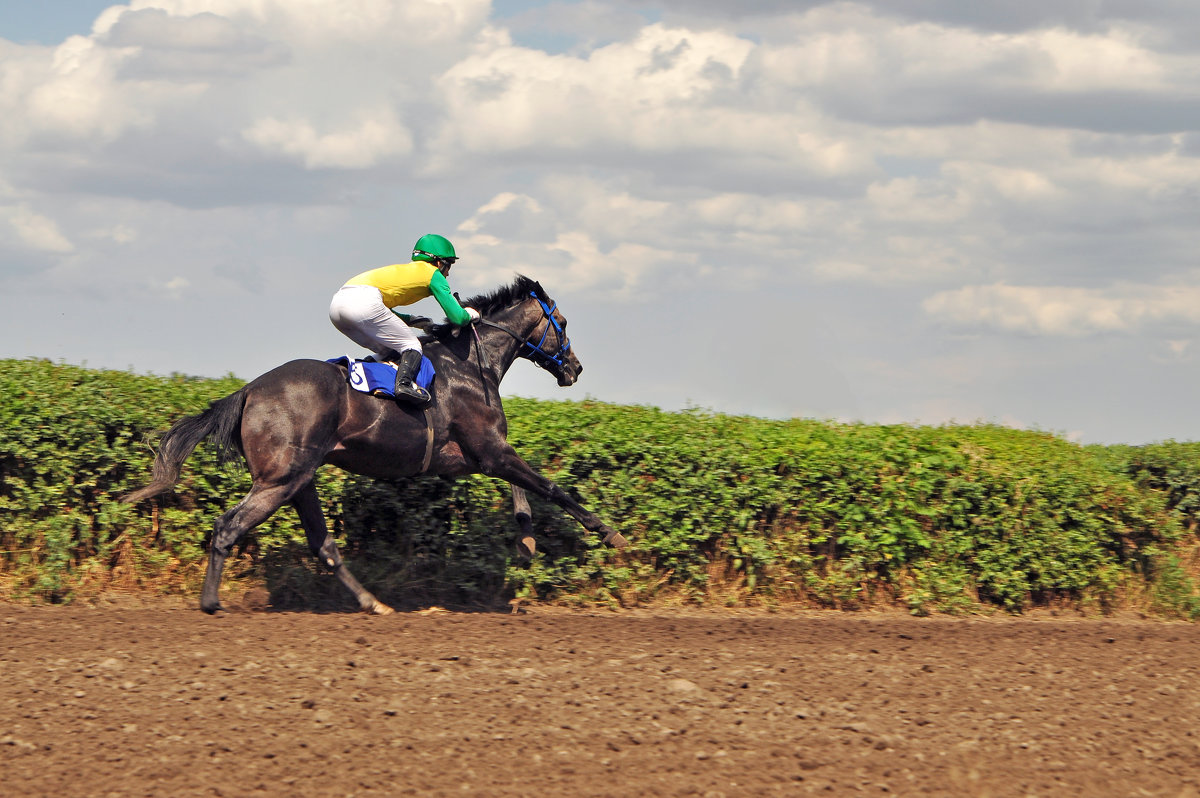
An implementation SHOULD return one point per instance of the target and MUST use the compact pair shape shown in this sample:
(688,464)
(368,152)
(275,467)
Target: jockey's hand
(473,313)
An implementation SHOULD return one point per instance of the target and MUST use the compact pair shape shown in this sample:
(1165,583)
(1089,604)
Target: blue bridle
(536,353)
(540,356)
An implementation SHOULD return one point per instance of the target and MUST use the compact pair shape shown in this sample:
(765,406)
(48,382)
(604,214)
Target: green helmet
(430,247)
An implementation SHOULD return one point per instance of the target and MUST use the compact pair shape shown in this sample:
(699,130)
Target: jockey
(362,309)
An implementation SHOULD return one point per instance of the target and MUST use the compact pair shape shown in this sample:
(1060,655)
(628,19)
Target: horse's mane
(503,297)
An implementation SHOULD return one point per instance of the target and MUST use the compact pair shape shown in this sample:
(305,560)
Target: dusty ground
(164,701)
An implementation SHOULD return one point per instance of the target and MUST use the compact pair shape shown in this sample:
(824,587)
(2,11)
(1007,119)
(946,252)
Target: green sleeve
(405,317)
(441,292)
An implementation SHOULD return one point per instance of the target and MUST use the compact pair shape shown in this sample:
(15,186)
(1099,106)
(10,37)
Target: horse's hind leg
(308,505)
(256,507)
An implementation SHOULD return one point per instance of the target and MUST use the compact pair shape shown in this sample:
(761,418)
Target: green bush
(1169,468)
(720,509)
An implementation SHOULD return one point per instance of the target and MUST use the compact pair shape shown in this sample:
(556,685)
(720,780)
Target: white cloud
(372,139)
(513,232)
(1176,350)
(512,217)
(916,200)
(163,46)
(319,22)
(65,95)
(897,259)
(1066,311)
(35,231)
(859,63)
(121,234)
(175,288)
(664,91)
(324,85)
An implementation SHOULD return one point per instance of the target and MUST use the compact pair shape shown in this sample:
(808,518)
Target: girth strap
(428,443)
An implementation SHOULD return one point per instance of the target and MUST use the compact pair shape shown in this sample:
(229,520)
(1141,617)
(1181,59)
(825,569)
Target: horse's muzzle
(570,372)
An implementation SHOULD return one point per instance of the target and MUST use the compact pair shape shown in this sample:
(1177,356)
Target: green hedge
(720,509)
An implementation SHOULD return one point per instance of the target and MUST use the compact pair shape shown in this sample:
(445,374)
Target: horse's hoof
(379,608)
(616,540)
(526,547)
(212,609)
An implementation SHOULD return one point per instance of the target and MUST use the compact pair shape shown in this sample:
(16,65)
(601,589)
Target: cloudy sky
(908,211)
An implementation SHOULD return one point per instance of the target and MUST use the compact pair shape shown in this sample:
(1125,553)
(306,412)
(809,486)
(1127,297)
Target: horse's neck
(503,348)
(499,348)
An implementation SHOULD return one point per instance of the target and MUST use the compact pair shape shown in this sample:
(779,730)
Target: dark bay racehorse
(303,414)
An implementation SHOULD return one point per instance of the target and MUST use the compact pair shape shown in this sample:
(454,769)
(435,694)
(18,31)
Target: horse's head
(547,344)
(524,311)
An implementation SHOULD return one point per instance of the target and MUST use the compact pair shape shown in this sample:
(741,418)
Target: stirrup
(413,394)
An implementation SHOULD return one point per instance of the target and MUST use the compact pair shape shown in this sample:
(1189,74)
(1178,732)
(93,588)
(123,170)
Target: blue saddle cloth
(379,379)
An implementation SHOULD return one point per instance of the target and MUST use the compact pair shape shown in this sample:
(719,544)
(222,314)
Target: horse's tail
(221,422)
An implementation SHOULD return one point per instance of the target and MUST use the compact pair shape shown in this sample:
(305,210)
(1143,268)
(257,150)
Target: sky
(913,211)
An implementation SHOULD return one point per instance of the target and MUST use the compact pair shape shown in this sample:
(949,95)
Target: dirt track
(165,701)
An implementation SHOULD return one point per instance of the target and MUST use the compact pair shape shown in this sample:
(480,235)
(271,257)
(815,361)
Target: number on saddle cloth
(379,379)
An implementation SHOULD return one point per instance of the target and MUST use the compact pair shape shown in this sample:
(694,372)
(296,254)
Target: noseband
(536,353)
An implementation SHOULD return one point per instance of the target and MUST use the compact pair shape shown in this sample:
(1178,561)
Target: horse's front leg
(526,544)
(509,466)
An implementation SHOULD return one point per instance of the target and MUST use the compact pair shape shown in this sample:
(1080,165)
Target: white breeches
(358,311)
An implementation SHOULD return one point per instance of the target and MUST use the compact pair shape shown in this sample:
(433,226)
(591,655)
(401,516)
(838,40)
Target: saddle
(379,379)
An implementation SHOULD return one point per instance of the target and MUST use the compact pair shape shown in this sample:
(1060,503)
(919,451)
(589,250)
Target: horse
(304,414)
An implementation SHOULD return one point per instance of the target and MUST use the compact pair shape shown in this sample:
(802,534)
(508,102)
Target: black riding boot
(408,364)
